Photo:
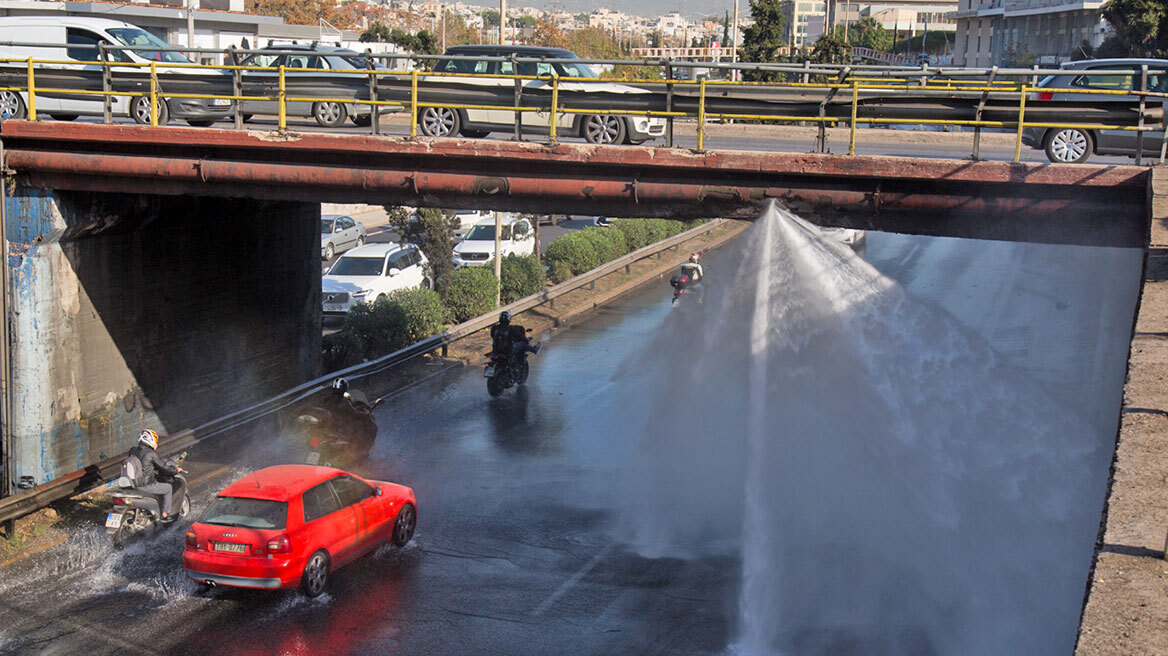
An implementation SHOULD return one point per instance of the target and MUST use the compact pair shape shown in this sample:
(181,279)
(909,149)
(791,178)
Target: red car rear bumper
(255,572)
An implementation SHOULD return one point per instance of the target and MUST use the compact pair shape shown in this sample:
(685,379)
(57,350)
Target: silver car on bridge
(1073,145)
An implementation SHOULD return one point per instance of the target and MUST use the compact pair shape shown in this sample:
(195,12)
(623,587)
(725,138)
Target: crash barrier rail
(825,96)
(24,503)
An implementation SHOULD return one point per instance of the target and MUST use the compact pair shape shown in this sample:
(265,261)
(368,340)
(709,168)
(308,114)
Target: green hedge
(340,350)
(523,275)
(419,314)
(372,330)
(469,292)
(574,253)
(579,252)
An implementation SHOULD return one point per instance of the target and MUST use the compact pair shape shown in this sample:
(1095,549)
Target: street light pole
(191,27)
(502,22)
(734,43)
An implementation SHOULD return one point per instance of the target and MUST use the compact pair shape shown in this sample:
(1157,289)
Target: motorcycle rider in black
(510,338)
(351,412)
(155,468)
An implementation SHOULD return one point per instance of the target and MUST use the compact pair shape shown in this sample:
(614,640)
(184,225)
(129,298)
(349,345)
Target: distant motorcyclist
(153,469)
(511,338)
(694,268)
(352,413)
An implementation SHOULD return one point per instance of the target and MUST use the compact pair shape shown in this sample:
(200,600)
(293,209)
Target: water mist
(892,484)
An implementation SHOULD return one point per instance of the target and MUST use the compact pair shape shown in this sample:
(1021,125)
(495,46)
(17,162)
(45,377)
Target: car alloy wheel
(11,105)
(316,574)
(329,251)
(329,114)
(439,122)
(1069,146)
(403,526)
(140,110)
(604,129)
(360,242)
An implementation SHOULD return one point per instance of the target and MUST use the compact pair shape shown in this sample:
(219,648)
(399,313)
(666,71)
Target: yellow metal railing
(856,85)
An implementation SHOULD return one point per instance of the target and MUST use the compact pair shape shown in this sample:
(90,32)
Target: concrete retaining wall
(134,310)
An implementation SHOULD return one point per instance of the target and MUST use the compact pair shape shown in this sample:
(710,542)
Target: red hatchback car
(292,525)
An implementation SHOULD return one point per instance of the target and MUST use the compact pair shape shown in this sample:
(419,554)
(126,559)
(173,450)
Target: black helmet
(340,385)
(505,317)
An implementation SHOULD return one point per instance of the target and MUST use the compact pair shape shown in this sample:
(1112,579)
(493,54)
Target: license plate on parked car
(113,520)
(332,307)
(489,372)
(229,546)
(220,102)
(313,458)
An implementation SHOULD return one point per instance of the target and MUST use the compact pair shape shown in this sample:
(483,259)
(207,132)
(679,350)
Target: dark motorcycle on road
(504,370)
(333,444)
(687,283)
(137,512)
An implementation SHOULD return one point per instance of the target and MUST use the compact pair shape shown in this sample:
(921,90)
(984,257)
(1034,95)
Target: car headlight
(361,294)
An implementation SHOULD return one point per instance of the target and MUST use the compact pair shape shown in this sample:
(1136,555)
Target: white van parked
(79,38)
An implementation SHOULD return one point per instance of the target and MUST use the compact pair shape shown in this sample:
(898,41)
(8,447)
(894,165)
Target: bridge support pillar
(130,311)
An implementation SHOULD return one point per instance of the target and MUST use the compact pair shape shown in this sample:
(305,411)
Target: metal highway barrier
(24,503)
(822,95)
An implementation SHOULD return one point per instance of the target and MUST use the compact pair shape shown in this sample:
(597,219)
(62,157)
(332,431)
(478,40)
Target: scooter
(503,371)
(327,445)
(683,286)
(137,512)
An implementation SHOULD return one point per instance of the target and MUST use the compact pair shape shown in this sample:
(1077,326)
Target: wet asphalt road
(514,553)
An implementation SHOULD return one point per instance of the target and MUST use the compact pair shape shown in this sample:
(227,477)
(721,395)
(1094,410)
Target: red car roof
(279,483)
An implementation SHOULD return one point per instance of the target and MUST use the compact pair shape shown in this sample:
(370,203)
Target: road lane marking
(60,540)
(573,580)
(211,474)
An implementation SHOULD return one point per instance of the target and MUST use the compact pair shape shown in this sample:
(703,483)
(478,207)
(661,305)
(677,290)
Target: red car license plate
(229,546)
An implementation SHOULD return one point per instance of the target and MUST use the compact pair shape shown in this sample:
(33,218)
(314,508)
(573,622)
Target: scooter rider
(352,411)
(153,468)
(511,338)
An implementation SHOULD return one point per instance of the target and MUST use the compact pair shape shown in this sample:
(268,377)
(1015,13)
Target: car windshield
(574,69)
(357,266)
(246,513)
(486,233)
(133,36)
(326,227)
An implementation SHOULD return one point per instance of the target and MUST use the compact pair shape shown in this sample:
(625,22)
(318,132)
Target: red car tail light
(314,442)
(192,539)
(280,544)
(1044,95)
(119,501)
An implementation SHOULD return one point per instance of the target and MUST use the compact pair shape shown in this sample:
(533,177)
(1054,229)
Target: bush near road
(579,252)
(469,292)
(523,275)
(375,329)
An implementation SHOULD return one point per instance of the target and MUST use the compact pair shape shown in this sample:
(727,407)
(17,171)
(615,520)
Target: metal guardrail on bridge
(24,503)
(820,95)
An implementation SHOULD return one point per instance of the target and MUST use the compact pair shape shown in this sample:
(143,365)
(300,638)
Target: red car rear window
(247,513)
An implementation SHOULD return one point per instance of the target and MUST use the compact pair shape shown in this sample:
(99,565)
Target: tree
(830,49)
(867,33)
(594,43)
(492,17)
(422,43)
(1141,26)
(303,12)
(762,40)
(547,34)
(433,231)
(524,21)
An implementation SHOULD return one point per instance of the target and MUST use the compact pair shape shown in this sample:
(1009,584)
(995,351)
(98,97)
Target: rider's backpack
(133,471)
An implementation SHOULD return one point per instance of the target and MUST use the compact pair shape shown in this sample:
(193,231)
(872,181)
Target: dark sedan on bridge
(293,525)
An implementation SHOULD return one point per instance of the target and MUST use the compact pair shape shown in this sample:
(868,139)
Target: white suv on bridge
(371,272)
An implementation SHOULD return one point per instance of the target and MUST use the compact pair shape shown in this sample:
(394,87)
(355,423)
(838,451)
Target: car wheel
(140,110)
(11,105)
(200,124)
(439,122)
(329,114)
(64,117)
(380,297)
(603,129)
(426,284)
(360,242)
(316,574)
(403,526)
(329,251)
(475,134)
(1069,146)
(363,121)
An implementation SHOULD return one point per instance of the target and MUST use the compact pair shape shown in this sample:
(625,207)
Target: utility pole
(502,22)
(498,255)
(734,43)
(442,8)
(191,29)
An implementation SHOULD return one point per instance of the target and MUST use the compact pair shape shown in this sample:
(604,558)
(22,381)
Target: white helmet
(696,258)
(149,438)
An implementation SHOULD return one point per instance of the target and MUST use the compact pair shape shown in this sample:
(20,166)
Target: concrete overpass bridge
(168,276)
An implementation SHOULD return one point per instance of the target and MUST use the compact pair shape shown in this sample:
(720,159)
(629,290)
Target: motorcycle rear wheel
(494,386)
(524,369)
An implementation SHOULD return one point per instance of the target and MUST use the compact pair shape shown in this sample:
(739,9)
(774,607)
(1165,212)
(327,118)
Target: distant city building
(806,20)
(990,30)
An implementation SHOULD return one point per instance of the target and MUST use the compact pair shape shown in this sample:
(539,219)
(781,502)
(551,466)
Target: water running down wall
(896,477)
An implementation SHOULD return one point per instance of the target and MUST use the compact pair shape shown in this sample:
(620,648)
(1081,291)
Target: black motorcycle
(684,286)
(137,512)
(504,370)
(328,443)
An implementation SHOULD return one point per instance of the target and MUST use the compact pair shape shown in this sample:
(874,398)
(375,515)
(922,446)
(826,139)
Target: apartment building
(1052,30)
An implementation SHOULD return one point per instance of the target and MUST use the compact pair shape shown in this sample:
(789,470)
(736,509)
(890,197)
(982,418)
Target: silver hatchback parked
(1075,145)
(338,234)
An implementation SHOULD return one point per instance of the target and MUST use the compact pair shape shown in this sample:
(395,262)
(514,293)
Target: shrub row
(578,252)
(411,315)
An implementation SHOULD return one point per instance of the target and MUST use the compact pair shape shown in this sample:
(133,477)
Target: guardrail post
(806,76)
(154,94)
(282,116)
(1143,105)
(374,113)
(855,106)
(981,108)
(669,102)
(414,103)
(106,84)
(31,84)
(701,114)
(555,103)
(518,98)
(1021,123)
(237,88)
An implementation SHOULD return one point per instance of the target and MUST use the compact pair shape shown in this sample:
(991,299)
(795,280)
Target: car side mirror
(338,229)
(394,272)
(377,492)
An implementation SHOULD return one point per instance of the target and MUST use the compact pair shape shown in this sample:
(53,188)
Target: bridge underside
(1094,205)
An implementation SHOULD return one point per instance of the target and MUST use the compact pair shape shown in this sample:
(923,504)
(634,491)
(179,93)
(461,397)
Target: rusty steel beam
(993,200)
